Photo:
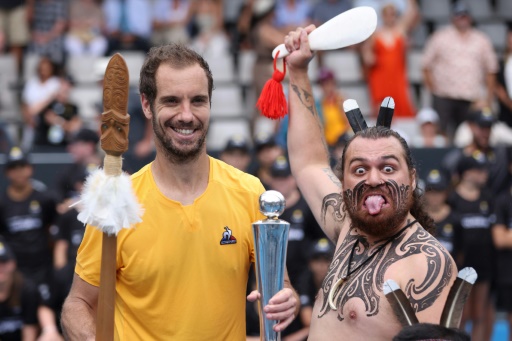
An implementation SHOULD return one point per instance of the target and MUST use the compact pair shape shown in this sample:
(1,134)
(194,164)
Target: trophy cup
(270,243)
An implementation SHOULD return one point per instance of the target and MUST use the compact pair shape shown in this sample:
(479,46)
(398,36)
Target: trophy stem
(270,244)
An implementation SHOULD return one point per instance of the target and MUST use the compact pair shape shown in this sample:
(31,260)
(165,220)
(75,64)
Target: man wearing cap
(457,62)
(448,229)
(267,150)
(480,123)
(303,230)
(27,214)
(237,153)
(474,205)
(428,121)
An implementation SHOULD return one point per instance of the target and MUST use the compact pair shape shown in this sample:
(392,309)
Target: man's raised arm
(309,157)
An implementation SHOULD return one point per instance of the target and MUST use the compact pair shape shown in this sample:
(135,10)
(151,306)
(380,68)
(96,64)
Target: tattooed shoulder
(332,177)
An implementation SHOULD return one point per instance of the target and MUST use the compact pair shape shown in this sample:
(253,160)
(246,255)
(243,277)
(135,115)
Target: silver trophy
(270,243)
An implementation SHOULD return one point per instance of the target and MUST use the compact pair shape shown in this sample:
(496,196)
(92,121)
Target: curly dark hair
(418,207)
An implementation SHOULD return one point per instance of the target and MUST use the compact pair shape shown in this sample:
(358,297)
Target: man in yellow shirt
(182,272)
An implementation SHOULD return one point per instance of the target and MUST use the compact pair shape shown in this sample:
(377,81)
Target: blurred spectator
(320,257)
(237,153)
(38,93)
(29,214)
(22,309)
(499,134)
(48,27)
(448,228)
(429,137)
(232,12)
(480,124)
(14,27)
(207,18)
(291,14)
(504,84)
(324,10)
(264,38)
(473,203)
(170,21)
(60,120)
(303,229)
(384,55)
(266,151)
(68,236)
(128,24)
(86,27)
(502,236)
(458,62)
(83,150)
(331,108)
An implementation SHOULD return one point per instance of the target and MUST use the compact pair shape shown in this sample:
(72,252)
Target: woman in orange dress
(384,56)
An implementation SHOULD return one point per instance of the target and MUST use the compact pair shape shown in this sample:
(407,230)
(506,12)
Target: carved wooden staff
(108,200)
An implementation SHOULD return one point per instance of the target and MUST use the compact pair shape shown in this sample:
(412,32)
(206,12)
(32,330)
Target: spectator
(128,25)
(384,55)
(22,310)
(324,10)
(331,108)
(504,84)
(210,40)
(60,120)
(14,27)
(170,21)
(429,137)
(29,214)
(83,150)
(48,28)
(38,93)
(237,153)
(86,27)
(458,61)
(502,236)
(474,204)
(480,123)
(448,228)
(291,14)
(267,150)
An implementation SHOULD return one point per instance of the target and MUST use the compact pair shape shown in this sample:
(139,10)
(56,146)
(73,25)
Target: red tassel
(272,102)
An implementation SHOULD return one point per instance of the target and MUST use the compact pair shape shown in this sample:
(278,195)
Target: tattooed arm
(309,157)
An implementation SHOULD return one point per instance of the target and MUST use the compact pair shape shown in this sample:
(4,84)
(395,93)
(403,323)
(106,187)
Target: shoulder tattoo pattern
(366,284)
(335,201)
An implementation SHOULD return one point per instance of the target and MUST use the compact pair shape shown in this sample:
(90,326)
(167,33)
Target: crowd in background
(470,111)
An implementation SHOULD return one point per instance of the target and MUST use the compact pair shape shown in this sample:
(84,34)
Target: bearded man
(374,215)
(176,278)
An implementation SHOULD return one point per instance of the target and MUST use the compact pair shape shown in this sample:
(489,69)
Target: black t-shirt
(65,110)
(504,256)
(70,229)
(449,233)
(476,218)
(26,229)
(14,316)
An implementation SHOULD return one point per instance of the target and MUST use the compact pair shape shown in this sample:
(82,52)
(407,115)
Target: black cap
(86,135)
(322,248)
(436,181)
(280,167)
(483,117)
(460,7)
(16,158)
(477,160)
(263,140)
(6,253)
(237,142)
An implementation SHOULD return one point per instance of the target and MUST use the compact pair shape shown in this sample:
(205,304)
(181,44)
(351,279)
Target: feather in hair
(457,297)
(354,115)
(400,304)
(386,110)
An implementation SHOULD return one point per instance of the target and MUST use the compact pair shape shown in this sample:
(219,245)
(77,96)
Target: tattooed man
(374,215)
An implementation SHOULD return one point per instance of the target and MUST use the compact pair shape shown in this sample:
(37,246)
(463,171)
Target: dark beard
(385,223)
(171,151)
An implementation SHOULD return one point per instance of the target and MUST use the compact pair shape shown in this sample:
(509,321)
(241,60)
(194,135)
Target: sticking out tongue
(374,204)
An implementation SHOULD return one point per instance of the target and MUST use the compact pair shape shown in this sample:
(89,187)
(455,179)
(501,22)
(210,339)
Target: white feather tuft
(109,203)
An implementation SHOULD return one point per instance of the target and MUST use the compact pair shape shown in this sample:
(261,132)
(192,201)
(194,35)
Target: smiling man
(374,215)
(178,276)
